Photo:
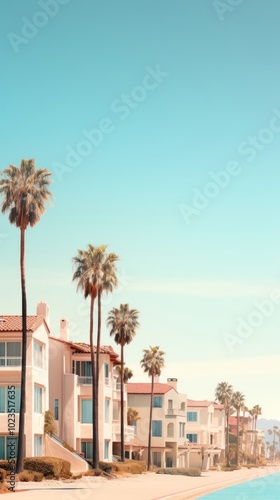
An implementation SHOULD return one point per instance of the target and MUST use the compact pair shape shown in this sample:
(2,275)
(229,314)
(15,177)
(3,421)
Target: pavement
(148,486)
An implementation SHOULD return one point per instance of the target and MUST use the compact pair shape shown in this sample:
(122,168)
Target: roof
(83,348)
(14,323)
(191,403)
(146,388)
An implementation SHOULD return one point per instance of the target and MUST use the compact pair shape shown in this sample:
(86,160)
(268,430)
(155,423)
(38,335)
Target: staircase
(54,448)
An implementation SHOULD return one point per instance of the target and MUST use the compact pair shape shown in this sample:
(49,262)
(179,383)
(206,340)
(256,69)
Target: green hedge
(174,471)
(49,466)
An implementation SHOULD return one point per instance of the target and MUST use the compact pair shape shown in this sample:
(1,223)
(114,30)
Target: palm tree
(25,192)
(255,412)
(152,363)
(238,400)
(273,431)
(127,373)
(223,394)
(95,272)
(132,416)
(123,323)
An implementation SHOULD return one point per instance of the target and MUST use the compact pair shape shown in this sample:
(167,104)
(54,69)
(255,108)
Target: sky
(160,123)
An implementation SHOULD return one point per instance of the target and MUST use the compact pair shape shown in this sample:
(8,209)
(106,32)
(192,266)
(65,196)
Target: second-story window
(181,430)
(10,353)
(107,411)
(157,402)
(192,438)
(106,373)
(38,399)
(192,416)
(5,393)
(38,355)
(156,428)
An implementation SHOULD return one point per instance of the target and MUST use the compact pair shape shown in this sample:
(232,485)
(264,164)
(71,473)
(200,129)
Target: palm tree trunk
(237,443)
(228,461)
(21,436)
(150,426)
(122,404)
(97,361)
(95,443)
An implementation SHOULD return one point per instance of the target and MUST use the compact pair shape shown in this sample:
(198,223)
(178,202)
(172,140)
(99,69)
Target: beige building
(169,445)
(205,433)
(37,379)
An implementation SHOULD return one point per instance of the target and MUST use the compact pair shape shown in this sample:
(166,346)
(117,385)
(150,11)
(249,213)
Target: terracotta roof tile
(81,347)
(191,403)
(145,388)
(14,323)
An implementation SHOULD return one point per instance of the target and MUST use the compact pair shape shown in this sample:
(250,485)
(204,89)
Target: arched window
(170,430)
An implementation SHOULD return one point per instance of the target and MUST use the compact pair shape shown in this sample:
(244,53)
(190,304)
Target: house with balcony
(37,379)
(205,432)
(169,444)
(70,388)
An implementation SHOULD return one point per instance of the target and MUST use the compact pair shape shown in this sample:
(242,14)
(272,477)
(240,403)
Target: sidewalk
(148,486)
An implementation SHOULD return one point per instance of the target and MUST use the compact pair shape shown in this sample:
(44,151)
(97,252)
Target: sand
(148,486)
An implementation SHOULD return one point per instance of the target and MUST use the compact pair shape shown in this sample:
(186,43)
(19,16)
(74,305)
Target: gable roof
(83,348)
(191,403)
(146,388)
(14,323)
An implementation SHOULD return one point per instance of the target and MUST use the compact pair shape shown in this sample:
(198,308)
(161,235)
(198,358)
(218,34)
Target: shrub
(3,474)
(4,487)
(5,464)
(131,466)
(68,446)
(49,426)
(78,476)
(224,468)
(26,476)
(93,472)
(191,471)
(50,467)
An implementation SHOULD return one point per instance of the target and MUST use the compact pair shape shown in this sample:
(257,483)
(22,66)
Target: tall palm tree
(256,411)
(238,400)
(25,192)
(273,431)
(223,394)
(152,363)
(95,272)
(123,323)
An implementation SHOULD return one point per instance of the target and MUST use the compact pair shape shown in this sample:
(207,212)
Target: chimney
(43,309)
(173,382)
(64,329)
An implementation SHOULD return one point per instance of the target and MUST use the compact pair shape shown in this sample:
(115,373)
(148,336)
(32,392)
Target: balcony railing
(176,412)
(129,430)
(84,381)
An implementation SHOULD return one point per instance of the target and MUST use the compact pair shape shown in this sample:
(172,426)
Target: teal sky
(174,92)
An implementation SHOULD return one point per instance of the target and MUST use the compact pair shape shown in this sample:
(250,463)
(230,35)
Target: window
(10,353)
(192,438)
(115,410)
(157,402)
(55,408)
(38,398)
(106,373)
(82,368)
(192,416)
(156,458)
(170,430)
(38,446)
(156,428)
(7,447)
(170,404)
(4,397)
(181,429)
(86,449)
(86,411)
(106,450)
(107,408)
(38,355)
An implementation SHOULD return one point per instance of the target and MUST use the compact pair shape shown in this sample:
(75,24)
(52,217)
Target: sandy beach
(148,486)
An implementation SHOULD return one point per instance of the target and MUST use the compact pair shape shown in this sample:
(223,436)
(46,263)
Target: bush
(93,472)
(130,466)
(26,476)
(3,474)
(50,467)
(224,468)
(174,471)
(4,487)
(5,464)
